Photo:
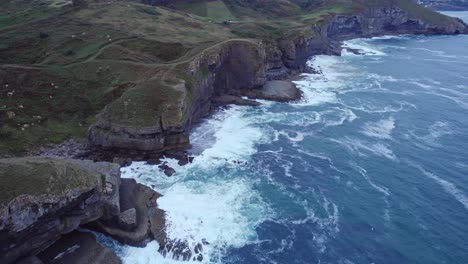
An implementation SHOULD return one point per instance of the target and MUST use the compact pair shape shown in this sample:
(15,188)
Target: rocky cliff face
(374,21)
(42,199)
(221,69)
(237,67)
(232,66)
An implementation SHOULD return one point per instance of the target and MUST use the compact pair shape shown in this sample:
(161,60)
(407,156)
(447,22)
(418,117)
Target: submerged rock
(167,170)
(123,162)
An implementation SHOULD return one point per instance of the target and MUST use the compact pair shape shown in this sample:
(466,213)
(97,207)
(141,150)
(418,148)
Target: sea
(371,166)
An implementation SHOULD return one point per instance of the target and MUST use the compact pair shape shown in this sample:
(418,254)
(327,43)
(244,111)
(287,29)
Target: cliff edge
(135,75)
(42,200)
(242,67)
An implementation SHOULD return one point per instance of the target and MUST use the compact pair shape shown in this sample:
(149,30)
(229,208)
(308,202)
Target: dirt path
(94,56)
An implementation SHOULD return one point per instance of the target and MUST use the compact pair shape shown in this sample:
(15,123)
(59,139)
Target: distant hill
(445,5)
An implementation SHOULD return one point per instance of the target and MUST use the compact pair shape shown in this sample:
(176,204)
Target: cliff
(242,67)
(141,75)
(41,200)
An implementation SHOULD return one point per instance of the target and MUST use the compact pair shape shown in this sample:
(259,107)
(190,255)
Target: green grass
(163,51)
(197,8)
(34,176)
(117,55)
(45,114)
(17,142)
(320,14)
(21,16)
(214,10)
(218,11)
(147,105)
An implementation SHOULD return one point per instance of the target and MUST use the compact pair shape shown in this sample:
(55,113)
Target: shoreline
(263,62)
(332,48)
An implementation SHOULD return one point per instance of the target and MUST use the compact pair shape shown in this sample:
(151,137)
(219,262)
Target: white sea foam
(434,132)
(287,166)
(362,46)
(327,224)
(356,146)
(391,37)
(216,212)
(229,145)
(383,190)
(438,53)
(298,137)
(381,129)
(300,118)
(319,88)
(449,187)
(199,207)
(439,129)
(338,116)
(425,86)
(370,108)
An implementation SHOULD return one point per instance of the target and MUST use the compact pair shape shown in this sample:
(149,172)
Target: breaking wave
(210,199)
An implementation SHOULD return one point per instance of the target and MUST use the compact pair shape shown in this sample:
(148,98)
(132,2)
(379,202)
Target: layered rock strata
(243,67)
(43,199)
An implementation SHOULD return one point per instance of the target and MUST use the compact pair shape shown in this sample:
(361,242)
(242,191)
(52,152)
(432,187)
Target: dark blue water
(371,167)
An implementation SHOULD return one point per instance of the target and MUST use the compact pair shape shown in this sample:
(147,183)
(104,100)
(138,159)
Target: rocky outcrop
(218,75)
(139,221)
(228,66)
(280,91)
(42,199)
(390,19)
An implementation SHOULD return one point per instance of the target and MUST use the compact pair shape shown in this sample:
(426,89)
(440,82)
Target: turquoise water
(370,167)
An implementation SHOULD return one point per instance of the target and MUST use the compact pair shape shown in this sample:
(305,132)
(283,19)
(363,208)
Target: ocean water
(370,167)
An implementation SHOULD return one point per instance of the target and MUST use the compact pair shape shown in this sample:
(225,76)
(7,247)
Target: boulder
(128,219)
(43,198)
(167,170)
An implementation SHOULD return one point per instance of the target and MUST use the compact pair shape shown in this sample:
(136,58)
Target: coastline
(332,47)
(333,51)
(217,72)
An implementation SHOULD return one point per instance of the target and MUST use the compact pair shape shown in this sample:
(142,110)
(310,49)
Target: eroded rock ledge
(43,199)
(234,68)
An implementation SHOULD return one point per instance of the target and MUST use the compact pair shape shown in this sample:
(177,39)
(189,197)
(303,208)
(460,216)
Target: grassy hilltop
(61,64)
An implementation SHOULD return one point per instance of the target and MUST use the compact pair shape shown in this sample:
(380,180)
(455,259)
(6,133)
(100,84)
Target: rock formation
(42,199)
(139,220)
